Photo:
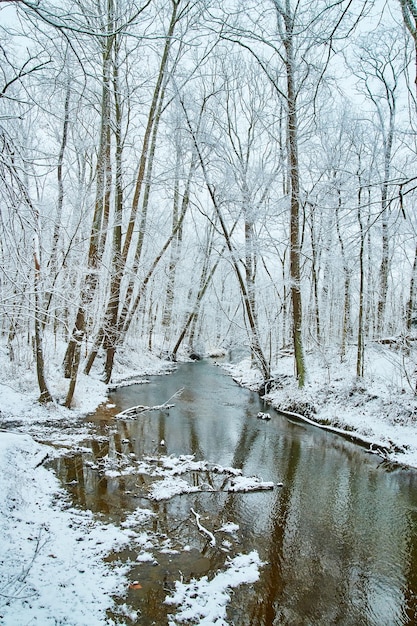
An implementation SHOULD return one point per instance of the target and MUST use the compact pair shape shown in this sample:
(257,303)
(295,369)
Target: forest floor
(53,568)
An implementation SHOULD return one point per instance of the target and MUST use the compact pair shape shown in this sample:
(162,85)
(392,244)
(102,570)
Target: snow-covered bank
(380,409)
(21,411)
(52,567)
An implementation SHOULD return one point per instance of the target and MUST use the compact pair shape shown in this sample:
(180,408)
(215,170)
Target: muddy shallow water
(338,538)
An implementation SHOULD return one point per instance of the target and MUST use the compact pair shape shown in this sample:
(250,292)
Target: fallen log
(141,408)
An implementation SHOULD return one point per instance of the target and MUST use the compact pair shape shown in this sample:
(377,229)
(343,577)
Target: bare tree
(302,45)
(256,346)
(380,66)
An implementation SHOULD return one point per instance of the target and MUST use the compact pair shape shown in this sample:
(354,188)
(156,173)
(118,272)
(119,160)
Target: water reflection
(339,539)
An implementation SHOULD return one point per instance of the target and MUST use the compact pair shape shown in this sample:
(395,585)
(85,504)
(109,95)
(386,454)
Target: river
(338,538)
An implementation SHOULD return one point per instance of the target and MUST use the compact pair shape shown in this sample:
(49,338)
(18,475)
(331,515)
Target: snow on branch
(140,408)
(202,529)
(253,483)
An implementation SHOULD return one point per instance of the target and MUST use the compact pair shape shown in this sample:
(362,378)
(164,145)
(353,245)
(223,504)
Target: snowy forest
(180,176)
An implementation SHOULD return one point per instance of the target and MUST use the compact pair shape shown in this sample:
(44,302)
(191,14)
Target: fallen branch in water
(140,408)
(245,484)
(202,529)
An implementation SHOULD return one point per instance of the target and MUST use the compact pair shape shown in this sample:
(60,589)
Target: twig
(42,461)
(16,584)
(202,529)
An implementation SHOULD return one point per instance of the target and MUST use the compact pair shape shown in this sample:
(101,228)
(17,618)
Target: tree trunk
(114,323)
(255,343)
(100,219)
(175,249)
(297,309)
(127,320)
(346,285)
(45,395)
(410,310)
(384,267)
(110,333)
(205,279)
(361,340)
(52,264)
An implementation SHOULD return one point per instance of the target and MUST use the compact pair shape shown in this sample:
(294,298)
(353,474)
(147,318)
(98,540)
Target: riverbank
(379,410)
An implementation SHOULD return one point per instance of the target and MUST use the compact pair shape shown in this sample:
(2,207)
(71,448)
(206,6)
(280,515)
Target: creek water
(338,539)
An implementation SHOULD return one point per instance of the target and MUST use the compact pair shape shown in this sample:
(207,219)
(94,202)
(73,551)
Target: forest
(231,182)
(180,176)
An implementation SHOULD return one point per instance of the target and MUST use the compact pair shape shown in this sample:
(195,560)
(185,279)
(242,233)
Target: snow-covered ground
(52,556)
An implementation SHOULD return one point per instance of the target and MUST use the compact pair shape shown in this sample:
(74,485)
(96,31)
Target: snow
(263,416)
(229,527)
(167,471)
(204,601)
(53,566)
(243,483)
(169,486)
